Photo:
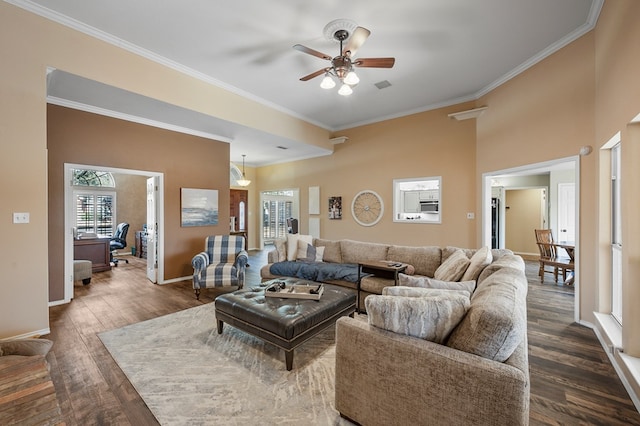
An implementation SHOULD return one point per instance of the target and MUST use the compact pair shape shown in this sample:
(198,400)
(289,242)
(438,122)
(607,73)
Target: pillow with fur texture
(453,268)
(480,260)
(431,318)
(426,282)
(420,292)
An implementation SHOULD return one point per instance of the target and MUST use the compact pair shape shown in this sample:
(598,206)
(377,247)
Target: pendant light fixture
(244,181)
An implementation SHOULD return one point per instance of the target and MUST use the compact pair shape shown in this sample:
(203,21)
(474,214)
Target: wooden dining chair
(549,256)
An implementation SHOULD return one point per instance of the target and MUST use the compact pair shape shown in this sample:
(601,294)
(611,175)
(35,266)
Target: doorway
(559,171)
(276,208)
(153,206)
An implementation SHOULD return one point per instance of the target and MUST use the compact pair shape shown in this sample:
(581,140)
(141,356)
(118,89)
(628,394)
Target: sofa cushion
(480,260)
(506,260)
(292,244)
(429,317)
(309,253)
(453,268)
(357,251)
(425,260)
(426,282)
(332,252)
(496,321)
(373,284)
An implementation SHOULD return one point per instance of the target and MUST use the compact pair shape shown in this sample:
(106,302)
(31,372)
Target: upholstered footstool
(286,323)
(82,271)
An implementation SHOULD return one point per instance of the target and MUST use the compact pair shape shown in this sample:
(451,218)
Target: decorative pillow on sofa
(480,260)
(420,292)
(308,253)
(453,268)
(292,244)
(431,318)
(281,248)
(426,282)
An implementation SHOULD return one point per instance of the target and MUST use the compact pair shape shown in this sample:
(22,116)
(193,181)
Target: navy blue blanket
(316,271)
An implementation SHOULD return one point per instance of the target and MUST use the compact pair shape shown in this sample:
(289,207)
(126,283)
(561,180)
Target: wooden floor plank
(572,381)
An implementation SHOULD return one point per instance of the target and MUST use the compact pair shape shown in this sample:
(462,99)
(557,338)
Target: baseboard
(176,280)
(627,368)
(30,334)
(59,302)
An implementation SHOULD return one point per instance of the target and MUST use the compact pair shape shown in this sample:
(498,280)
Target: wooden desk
(96,250)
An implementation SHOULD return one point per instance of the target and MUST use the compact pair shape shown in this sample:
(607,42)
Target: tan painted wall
(543,114)
(523,214)
(617,65)
(131,203)
(29,44)
(420,145)
(186,162)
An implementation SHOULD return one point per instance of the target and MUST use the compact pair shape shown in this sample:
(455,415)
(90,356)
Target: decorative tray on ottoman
(312,291)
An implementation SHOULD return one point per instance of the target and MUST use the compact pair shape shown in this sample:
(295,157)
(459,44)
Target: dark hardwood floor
(572,381)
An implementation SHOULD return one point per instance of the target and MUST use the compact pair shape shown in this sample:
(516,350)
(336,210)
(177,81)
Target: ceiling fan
(343,64)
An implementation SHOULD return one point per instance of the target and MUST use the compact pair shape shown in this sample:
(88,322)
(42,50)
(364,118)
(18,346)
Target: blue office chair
(119,241)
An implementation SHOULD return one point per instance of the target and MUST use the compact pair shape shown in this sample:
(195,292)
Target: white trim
(176,280)
(147,54)
(30,334)
(134,118)
(52,15)
(611,343)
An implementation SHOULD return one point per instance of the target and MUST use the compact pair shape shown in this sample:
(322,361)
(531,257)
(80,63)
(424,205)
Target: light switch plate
(21,218)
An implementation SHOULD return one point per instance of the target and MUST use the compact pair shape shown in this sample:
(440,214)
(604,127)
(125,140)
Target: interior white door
(152,232)
(566,212)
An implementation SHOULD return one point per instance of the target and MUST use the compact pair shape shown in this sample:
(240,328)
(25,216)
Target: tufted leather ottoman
(286,323)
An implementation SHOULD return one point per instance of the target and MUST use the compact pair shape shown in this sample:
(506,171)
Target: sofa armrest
(272,256)
(387,378)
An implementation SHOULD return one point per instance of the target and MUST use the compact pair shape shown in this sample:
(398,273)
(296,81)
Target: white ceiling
(447,51)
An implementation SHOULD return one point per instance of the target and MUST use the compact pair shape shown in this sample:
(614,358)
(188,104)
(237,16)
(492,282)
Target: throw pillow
(453,268)
(292,244)
(480,260)
(426,282)
(420,292)
(281,249)
(308,253)
(431,318)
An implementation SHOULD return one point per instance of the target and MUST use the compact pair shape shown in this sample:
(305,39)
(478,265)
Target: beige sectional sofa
(476,373)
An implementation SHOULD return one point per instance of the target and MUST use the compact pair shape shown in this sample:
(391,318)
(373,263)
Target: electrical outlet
(21,218)
(471,215)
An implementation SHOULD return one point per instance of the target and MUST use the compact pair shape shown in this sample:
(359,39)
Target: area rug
(188,374)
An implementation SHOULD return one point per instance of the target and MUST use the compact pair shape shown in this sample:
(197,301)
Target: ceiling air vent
(383,84)
(281,147)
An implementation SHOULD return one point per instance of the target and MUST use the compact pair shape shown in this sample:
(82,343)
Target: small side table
(382,269)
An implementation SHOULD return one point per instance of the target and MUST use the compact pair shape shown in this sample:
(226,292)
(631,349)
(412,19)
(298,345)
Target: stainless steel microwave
(429,206)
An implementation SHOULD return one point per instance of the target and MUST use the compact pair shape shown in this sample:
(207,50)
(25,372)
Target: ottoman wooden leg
(288,358)
(220,325)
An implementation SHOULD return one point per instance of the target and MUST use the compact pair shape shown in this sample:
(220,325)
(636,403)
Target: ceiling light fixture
(244,181)
(342,66)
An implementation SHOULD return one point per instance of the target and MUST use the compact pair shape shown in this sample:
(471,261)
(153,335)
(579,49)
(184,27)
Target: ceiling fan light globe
(345,90)
(327,82)
(351,78)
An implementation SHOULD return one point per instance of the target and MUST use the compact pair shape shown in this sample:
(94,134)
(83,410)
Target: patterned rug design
(188,374)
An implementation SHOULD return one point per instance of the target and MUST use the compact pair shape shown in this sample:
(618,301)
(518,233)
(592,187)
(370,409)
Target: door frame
(68,220)
(535,168)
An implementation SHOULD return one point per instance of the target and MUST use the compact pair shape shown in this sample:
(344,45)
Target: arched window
(92,178)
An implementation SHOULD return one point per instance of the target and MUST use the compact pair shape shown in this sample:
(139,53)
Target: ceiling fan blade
(375,62)
(315,74)
(356,40)
(305,49)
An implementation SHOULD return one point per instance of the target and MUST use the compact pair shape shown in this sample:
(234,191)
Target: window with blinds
(95,212)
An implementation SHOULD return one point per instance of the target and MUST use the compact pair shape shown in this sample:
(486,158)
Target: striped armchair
(222,263)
